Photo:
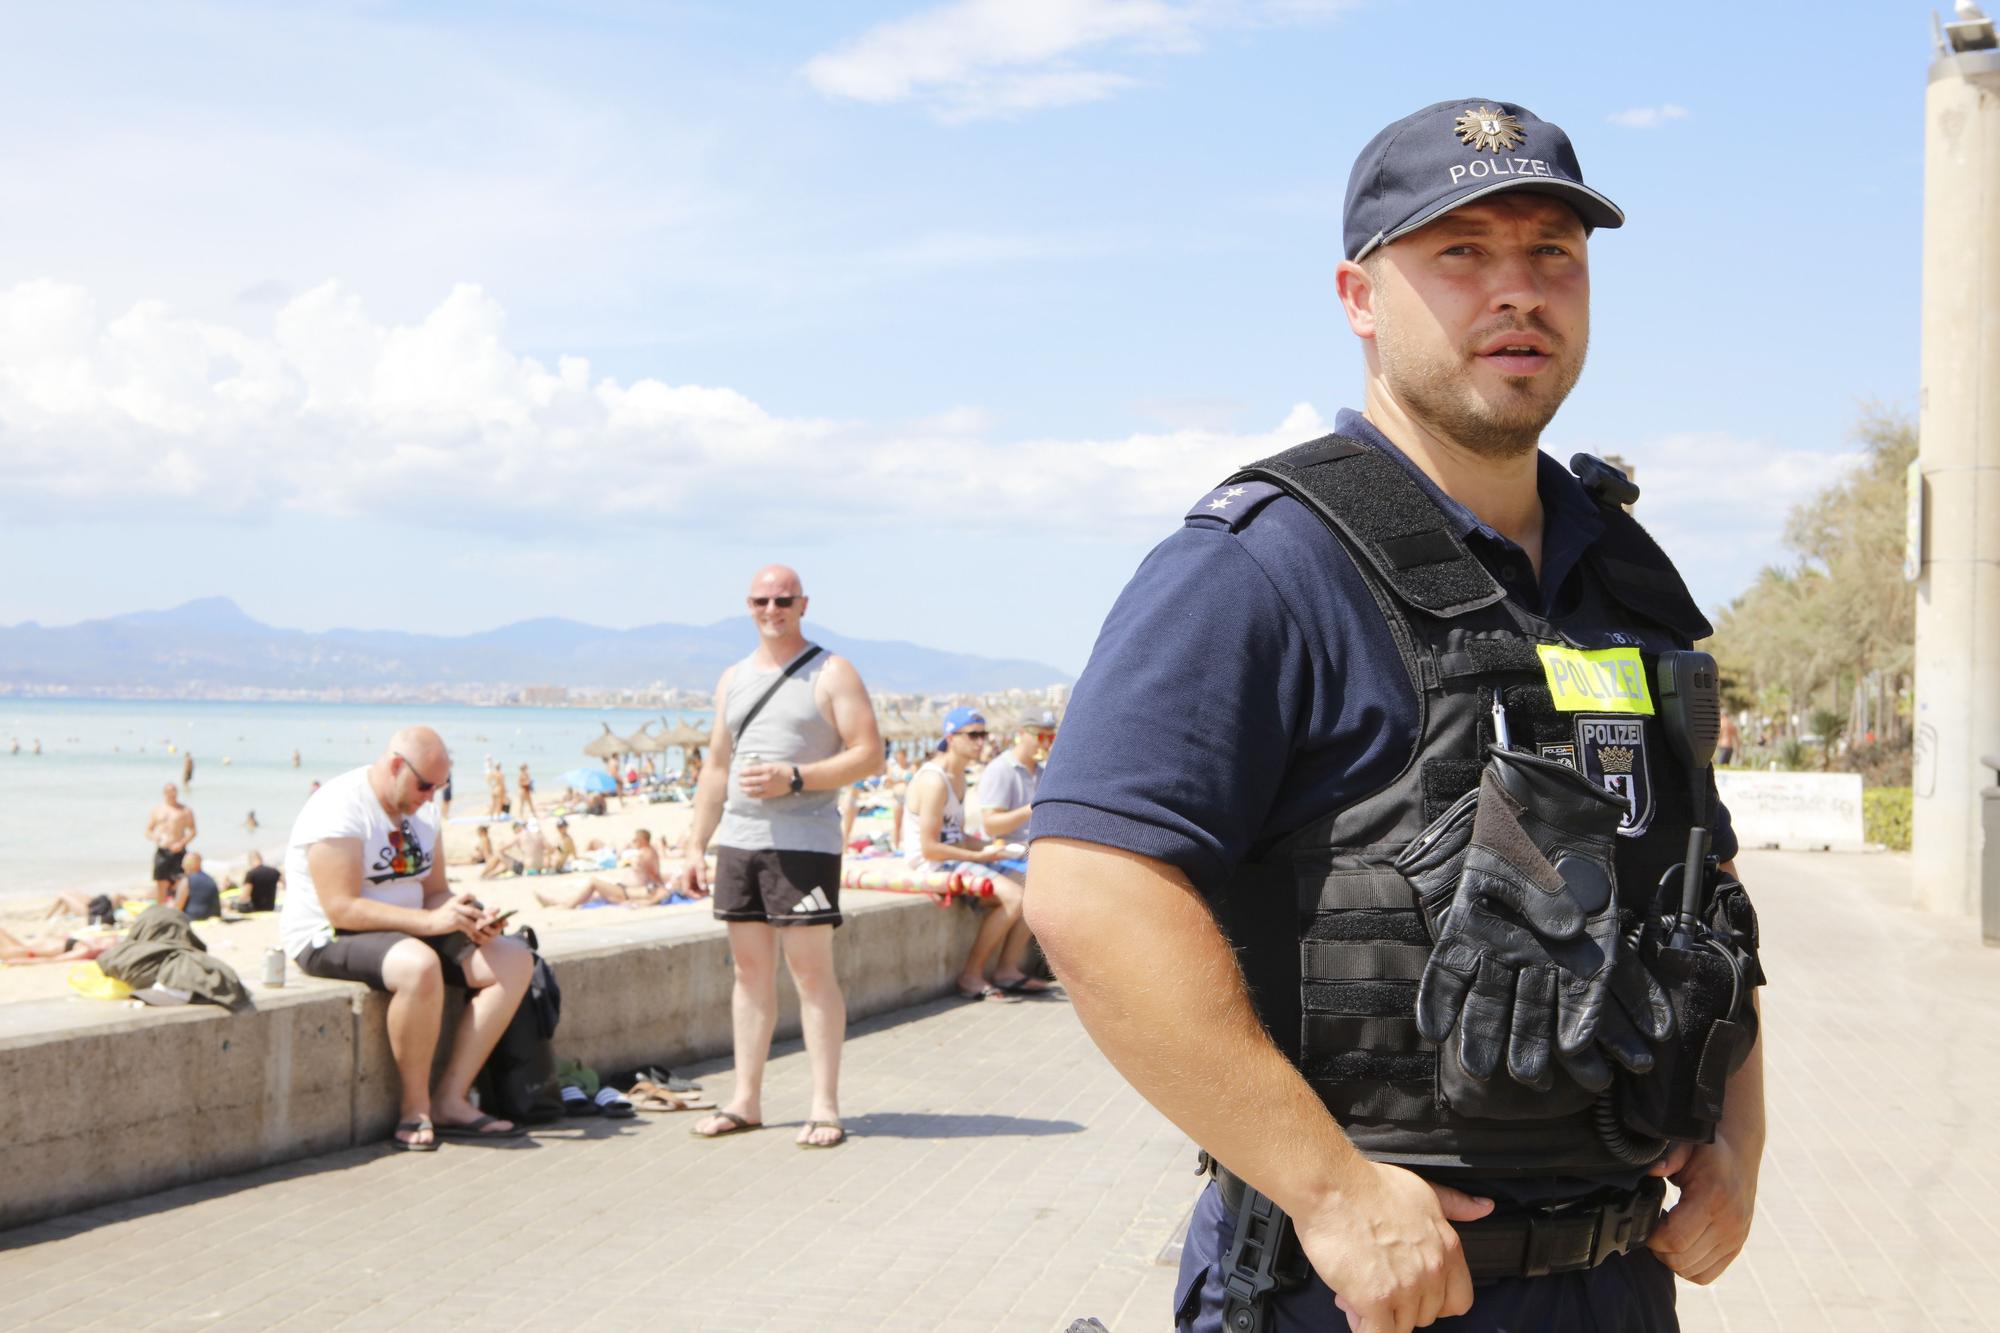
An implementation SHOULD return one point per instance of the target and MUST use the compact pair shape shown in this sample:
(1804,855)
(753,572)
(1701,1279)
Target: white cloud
(975,59)
(335,414)
(1648,117)
(1717,502)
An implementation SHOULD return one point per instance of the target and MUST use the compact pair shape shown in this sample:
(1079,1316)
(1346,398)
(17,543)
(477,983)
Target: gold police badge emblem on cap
(1489,129)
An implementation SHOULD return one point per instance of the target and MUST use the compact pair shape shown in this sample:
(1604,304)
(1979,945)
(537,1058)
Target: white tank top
(953,828)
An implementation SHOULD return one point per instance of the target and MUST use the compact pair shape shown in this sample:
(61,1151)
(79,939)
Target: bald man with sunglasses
(366,900)
(793,726)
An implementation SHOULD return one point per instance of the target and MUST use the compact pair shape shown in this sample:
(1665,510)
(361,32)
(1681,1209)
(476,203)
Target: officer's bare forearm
(1158,988)
(1743,1101)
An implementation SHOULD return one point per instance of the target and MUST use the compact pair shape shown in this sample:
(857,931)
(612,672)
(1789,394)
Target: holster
(1709,982)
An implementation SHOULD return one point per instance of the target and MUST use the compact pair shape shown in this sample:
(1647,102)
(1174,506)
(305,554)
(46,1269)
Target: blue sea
(74,816)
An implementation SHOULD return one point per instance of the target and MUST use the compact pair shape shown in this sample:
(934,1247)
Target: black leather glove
(1528,965)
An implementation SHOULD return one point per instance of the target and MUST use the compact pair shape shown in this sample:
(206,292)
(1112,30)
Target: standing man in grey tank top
(793,725)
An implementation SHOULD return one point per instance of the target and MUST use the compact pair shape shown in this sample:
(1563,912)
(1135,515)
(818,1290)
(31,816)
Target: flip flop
(993,993)
(840,1135)
(737,1125)
(576,1102)
(1023,986)
(411,1127)
(646,1095)
(612,1105)
(666,1079)
(477,1129)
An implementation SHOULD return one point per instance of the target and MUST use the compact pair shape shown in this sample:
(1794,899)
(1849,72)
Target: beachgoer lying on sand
(641,886)
(68,902)
(52,948)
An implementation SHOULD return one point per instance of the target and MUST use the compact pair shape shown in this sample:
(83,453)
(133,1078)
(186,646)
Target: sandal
(993,993)
(478,1129)
(737,1125)
(646,1095)
(839,1134)
(416,1126)
(666,1079)
(612,1105)
(576,1102)
(1023,986)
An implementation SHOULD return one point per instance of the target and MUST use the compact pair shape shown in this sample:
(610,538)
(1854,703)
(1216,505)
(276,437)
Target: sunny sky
(437,316)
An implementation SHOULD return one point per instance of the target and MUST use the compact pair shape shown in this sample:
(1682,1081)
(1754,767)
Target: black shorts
(779,888)
(359,957)
(167,865)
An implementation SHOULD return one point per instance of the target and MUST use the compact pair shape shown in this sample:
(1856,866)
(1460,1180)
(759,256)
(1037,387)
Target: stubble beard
(1438,390)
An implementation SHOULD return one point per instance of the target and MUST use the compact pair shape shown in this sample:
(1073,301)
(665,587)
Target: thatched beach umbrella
(686,735)
(607,746)
(643,741)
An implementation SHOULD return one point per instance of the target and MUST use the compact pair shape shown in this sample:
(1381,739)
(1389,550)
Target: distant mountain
(211,646)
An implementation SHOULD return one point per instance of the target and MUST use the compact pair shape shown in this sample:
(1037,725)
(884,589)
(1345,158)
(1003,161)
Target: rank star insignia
(1222,503)
(1232,492)
(1489,129)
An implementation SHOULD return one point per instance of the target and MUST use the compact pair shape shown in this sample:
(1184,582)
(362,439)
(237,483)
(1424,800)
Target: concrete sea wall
(102,1102)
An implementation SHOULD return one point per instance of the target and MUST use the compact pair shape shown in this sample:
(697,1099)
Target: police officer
(1327,714)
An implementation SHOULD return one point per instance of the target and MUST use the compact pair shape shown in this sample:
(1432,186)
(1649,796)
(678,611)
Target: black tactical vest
(1330,932)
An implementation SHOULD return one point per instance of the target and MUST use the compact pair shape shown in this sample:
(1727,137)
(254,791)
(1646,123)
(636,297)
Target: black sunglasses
(422,784)
(971,735)
(782,603)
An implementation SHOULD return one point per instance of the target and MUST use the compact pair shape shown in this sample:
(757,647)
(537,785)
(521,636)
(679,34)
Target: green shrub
(1792,755)
(1885,817)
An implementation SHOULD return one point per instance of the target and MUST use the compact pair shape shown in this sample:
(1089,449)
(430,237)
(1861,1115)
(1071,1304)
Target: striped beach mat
(892,874)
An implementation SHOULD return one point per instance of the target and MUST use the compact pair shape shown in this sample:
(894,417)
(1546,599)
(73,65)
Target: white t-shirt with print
(395,855)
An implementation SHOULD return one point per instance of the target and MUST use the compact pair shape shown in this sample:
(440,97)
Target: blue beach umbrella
(587,779)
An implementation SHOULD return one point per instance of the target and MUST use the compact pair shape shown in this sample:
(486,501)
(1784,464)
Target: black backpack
(518,1082)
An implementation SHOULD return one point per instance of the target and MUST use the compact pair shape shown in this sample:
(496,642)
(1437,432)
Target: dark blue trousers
(1631,1293)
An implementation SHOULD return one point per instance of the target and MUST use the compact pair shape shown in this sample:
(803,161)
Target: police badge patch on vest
(1611,751)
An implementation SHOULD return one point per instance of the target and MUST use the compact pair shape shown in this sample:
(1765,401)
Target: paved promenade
(1002,1178)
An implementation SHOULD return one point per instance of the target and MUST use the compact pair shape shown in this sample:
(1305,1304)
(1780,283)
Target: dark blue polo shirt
(1245,683)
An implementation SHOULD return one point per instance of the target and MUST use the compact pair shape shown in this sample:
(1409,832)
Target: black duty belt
(1558,1238)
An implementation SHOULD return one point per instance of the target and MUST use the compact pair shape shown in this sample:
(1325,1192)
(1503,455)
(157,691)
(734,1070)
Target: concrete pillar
(1958,592)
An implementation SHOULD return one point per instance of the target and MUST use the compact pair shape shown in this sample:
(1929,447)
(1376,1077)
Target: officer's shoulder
(1232,505)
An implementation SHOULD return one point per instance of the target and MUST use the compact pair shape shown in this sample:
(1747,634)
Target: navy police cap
(1451,153)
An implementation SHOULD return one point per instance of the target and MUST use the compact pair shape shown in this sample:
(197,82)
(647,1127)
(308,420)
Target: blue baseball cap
(957,720)
(1451,153)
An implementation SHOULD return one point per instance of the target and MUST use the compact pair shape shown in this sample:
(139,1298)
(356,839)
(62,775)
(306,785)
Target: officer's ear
(1356,285)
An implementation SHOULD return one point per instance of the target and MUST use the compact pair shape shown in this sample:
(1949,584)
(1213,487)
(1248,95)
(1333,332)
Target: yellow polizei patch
(1602,680)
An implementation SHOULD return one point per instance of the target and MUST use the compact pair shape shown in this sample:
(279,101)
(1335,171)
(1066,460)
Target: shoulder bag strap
(798,665)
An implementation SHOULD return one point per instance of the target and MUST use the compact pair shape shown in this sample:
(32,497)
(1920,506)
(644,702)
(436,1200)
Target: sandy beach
(241,944)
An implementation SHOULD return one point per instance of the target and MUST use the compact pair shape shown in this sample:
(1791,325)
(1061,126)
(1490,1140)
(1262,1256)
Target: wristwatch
(798,780)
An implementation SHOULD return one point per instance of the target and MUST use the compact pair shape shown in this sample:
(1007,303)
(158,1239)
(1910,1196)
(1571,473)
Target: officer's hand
(1389,1251)
(1704,1231)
